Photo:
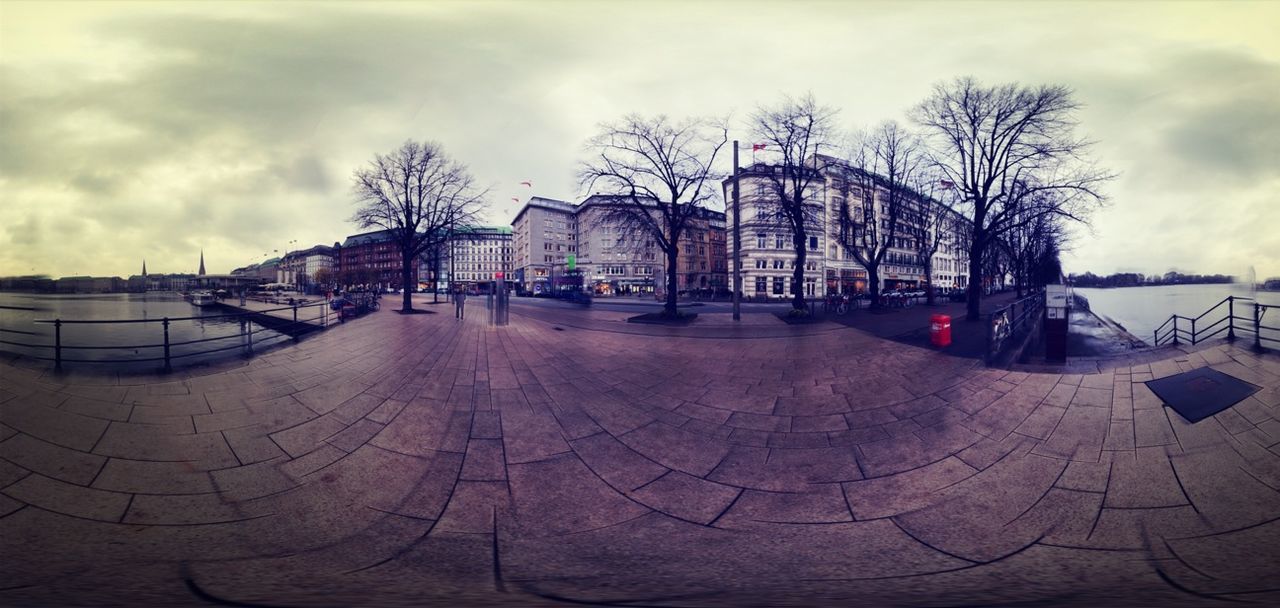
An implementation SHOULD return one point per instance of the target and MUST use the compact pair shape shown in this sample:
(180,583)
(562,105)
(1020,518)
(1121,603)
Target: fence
(1198,329)
(1008,325)
(284,328)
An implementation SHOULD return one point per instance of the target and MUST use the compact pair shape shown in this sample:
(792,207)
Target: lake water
(1142,309)
(144,340)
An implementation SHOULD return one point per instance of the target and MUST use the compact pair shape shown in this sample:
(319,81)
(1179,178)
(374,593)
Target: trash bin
(940,330)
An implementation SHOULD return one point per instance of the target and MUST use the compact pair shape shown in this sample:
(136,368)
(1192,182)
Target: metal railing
(1009,323)
(282,328)
(1179,328)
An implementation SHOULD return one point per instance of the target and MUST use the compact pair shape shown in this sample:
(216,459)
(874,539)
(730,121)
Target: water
(19,326)
(1142,309)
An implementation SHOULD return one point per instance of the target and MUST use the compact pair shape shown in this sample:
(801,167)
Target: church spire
(144,267)
(202,261)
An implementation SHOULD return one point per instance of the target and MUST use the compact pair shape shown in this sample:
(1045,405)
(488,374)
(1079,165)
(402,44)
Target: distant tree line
(1135,279)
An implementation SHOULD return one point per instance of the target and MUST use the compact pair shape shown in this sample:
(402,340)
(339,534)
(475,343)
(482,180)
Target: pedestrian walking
(460,303)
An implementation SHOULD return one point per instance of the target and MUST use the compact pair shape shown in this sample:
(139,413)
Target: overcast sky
(131,131)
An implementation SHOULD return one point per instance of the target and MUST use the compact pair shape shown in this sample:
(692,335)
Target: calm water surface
(1142,309)
(143,340)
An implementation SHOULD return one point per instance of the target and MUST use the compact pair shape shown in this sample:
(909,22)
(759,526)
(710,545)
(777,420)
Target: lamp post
(737,240)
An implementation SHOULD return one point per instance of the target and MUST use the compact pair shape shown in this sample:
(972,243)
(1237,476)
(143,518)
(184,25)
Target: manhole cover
(1201,393)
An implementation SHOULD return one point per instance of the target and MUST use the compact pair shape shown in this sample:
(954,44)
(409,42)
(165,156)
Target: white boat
(203,298)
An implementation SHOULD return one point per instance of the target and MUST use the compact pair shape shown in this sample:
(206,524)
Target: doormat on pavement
(1201,393)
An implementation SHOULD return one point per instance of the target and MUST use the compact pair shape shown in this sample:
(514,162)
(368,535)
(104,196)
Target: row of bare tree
(1006,159)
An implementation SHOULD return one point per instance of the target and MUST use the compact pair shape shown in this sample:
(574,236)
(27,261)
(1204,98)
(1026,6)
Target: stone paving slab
(423,460)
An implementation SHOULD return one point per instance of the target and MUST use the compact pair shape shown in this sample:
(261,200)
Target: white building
(768,254)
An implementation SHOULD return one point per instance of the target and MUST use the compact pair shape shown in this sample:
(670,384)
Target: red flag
(529,184)
(757,147)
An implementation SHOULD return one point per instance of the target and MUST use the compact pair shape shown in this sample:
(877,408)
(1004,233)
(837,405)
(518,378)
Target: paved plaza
(573,458)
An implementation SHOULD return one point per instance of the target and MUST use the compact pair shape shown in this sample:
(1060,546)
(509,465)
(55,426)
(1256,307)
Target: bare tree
(798,132)
(657,175)
(886,162)
(1000,145)
(1031,244)
(418,194)
(938,224)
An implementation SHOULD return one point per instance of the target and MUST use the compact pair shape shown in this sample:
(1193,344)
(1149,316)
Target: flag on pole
(527,183)
(757,147)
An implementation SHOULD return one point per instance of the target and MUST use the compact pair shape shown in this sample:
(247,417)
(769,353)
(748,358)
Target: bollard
(57,344)
(250,324)
(165,323)
(296,333)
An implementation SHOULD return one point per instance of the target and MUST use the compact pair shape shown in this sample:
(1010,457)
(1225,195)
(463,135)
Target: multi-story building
(544,244)
(703,263)
(301,267)
(768,255)
(553,239)
(475,257)
(613,258)
(371,259)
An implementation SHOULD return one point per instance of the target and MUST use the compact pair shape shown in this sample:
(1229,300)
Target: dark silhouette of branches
(798,133)
(1003,146)
(656,175)
(421,196)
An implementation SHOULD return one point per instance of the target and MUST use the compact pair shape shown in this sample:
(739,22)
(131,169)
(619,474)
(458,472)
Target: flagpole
(737,240)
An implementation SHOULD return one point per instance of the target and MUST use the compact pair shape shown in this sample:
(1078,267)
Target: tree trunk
(928,280)
(974,305)
(406,272)
(435,283)
(873,280)
(673,256)
(797,274)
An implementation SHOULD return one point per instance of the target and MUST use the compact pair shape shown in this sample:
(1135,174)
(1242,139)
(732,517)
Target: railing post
(1193,331)
(57,344)
(1175,329)
(165,323)
(1257,326)
(1231,318)
(250,324)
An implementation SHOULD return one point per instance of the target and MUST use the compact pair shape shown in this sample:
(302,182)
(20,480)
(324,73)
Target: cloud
(236,127)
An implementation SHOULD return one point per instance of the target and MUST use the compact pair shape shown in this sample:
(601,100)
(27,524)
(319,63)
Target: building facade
(556,243)
(768,254)
(472,259)
(544,244)
(301,267)
(612,259)
(371,259)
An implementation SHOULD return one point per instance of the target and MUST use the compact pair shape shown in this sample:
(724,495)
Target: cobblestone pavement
(419,459)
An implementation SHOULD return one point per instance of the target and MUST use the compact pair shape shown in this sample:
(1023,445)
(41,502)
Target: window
(778,264)
(813,243)
(778,242)
(762,264)
(762,285)
(760,240)
(778,283)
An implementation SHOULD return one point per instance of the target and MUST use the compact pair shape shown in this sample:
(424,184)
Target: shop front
(846,281)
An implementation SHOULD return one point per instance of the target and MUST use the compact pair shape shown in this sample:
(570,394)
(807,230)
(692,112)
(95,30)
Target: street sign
(573,261)
(499,275)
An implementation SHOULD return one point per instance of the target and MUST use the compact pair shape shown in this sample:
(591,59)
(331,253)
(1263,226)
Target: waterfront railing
(1220,317)
(1008,325)
(294,321)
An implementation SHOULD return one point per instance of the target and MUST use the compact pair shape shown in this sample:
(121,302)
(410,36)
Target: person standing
(460,303)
